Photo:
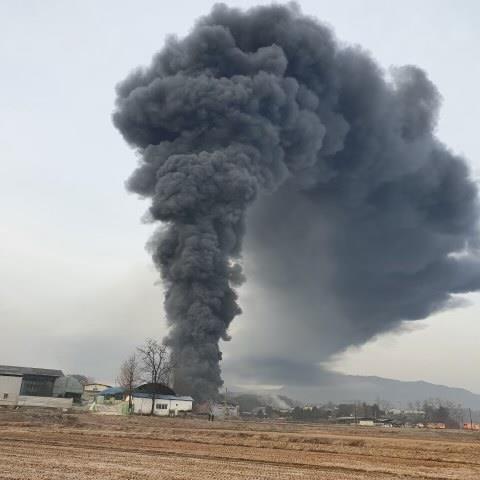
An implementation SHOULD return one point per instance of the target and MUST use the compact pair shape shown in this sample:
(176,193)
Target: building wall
(96,387)
(9,389)
(143,406)
(218,409)
(92,390)
(46,402)
(366,423)
(179,405)
(162,408)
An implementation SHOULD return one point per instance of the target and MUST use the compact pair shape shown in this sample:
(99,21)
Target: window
(161,406)
(5,396)
(37,385)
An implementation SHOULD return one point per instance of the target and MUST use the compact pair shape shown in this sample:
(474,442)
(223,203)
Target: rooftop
(162,397)
(20,371)
(112,391)
(157,388)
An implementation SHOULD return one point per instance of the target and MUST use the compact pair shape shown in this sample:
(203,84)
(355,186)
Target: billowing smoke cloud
(357,208)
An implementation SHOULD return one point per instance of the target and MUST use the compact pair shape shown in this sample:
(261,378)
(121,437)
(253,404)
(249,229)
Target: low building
(91,390)
(366,423)
(384,422)
(225,410)
(10,386)
(222,410)
(164,405)
(345,420)
(166,401)
(112,393)
(68,387)
(26,386)
(436,425)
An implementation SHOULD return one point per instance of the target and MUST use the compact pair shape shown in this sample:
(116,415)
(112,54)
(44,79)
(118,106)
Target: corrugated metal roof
(112,391)
(162,397)
(20,371)
(158,388)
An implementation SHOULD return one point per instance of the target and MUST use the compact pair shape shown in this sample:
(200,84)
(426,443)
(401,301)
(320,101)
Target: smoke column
(264,108)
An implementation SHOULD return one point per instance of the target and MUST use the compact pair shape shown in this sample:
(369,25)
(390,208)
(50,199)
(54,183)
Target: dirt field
(50,446)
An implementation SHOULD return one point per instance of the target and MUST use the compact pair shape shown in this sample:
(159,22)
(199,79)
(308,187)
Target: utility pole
(471,422)
(225,410)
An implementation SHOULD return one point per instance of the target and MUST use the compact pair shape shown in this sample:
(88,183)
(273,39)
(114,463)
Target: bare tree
(156,365)
(129,377)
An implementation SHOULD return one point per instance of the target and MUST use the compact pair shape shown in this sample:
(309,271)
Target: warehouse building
(68,387)
(25,386)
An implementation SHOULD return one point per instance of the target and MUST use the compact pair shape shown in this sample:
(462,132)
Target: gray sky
(76,285)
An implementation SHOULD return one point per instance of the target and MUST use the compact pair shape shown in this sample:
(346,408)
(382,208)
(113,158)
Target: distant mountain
(340,388)
(249,401)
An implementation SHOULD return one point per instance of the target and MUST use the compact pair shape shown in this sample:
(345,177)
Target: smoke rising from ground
(356,215)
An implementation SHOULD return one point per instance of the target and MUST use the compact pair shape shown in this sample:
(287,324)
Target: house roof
(92,387)
(20,371)
(157,388)
(112,391)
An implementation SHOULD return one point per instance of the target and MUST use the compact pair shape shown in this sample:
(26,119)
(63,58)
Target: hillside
(346,388)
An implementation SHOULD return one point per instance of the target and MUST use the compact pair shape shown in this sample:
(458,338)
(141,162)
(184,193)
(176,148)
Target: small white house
(165,405)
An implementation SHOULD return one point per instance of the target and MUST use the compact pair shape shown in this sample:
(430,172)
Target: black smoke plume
(351,192)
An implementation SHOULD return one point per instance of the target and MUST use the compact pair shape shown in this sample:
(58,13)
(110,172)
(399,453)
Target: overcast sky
(77,289)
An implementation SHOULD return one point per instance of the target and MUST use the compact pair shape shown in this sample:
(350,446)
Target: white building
(222,410)
(366,423)
(165,405)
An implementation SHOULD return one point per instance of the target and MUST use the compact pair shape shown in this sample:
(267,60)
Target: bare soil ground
(50,446)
